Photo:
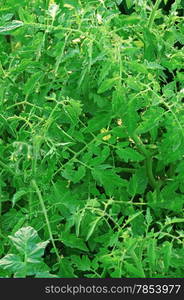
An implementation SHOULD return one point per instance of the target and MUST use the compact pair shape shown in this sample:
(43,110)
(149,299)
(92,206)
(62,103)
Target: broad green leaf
(101,157)
(28,261)
(66,269)
(130,117)
(7,17)
(132,270)
(31,82)
(82,263)
(70,240)
(119,101)
(107,84)
(74,175)
(138,182)
(108,179)
(27,242)
(150,45)
(129,154)
(137,67)
(99,121)
(151,119)
(12,262)
(104,72)
(138,225)
(73,109)
(11,26)
(129,3)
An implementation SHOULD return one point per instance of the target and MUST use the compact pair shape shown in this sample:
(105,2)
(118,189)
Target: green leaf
(151,118)
(11,26)
(138,226)
(92,226)
(31,82)
(82,263)
(27,242)
(138,182)
(99,121)
(108,179)
(70,240)
(148,217)
(66,269)
(130,116)
(73,109)
(28,261)
(17,196)
(74,175)
(137,67)
(150,45)
(152,258)
(104,72)
(107,85)
(12,262)
(130,20)
(167,255)
(129,154)
(119,101)
(132,271)
(45,274)
(129,3)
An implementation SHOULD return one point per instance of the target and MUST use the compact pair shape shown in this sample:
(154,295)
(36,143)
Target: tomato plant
(91,138)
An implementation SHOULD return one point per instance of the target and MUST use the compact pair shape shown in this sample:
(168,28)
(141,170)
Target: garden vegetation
(91,138)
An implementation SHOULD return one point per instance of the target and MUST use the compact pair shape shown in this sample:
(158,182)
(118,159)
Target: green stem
(153,14)
(128,170)
(140,145)
(46,216)
(2,164)
(149,169)
(148,161)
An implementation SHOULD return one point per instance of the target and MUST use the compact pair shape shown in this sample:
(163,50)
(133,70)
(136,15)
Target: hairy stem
(46,216)
(153,14)
(148,161)
(128,170)
(149,170)
(5,166)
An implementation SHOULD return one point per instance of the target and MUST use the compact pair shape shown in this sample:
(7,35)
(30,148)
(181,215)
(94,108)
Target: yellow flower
(76,41)
(69,6)
(103,130)
(119,122)
(106,137)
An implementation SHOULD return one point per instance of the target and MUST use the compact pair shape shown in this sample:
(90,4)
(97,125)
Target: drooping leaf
(17,196)
(27,242)
(12,262)
(11,26)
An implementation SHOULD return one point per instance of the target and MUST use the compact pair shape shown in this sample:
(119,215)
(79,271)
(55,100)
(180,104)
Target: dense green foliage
(91,139)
